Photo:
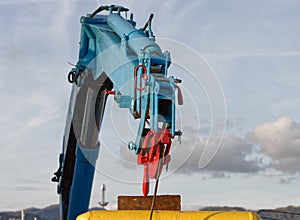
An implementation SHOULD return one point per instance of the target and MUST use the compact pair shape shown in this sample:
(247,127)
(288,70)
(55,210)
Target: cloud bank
(271,147)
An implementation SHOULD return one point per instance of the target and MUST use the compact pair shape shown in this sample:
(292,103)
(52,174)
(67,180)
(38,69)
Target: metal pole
(103,203)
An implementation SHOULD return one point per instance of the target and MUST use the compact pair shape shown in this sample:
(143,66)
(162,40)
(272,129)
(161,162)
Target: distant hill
(222,208)
(48,213)
(288,213)
(284,213)
(52,212)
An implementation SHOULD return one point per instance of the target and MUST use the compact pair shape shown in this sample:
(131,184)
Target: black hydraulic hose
(154,198)
(107,8)
(148,22)
(101,8)
(72,76)
(161,161)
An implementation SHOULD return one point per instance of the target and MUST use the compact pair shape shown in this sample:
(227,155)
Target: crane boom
(115,58)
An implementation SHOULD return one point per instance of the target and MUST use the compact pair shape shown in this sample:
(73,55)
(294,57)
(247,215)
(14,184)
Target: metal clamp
(131,145)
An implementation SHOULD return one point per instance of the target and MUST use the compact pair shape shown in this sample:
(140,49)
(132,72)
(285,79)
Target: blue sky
(253,49)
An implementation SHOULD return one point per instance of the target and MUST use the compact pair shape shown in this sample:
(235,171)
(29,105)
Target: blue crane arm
(114,58)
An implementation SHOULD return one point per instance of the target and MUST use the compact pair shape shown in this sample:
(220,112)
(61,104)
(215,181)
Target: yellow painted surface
(166,215)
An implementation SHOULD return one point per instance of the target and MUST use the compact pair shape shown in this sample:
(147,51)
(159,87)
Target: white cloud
(232,157)
(280,141)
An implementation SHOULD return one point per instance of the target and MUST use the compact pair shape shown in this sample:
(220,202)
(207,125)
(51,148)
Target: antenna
(22,214)
(103,203)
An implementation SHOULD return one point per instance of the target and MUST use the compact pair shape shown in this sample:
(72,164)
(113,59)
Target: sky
(239,61)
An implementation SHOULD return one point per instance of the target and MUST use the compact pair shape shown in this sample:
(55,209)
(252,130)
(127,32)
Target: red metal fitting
(110,92)
(155,150)
(165,136)
(145,76)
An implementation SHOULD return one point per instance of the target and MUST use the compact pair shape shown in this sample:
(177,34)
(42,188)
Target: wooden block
(162,202)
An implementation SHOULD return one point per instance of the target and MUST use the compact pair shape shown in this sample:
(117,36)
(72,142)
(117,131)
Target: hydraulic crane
(115,59)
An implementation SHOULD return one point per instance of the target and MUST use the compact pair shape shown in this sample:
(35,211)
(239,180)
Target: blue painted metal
(82,180)
(110,49)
